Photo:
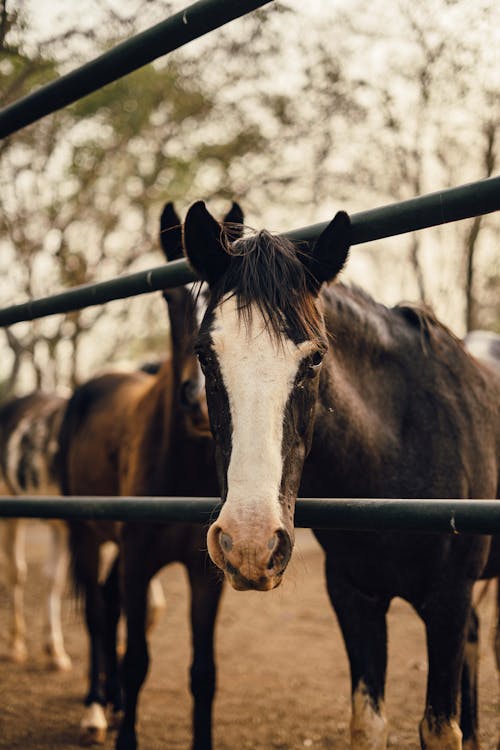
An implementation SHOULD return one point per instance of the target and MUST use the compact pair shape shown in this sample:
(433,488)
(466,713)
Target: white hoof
(62,663)
(92,736)
(58,660)
(93,726)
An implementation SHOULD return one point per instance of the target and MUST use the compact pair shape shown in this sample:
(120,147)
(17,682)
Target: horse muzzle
(253,561)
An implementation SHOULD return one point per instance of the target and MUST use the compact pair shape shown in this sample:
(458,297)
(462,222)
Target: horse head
(260,345)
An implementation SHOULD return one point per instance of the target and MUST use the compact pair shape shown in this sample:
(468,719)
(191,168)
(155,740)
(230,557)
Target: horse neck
(357,416)
(181,307)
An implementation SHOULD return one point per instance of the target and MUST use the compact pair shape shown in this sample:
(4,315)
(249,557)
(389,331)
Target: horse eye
(316,359)
(314,363)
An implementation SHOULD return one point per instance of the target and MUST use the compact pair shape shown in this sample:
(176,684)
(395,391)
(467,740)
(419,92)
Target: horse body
(143,434)
(28,466)
(485,346)
(353,400)
(118,431)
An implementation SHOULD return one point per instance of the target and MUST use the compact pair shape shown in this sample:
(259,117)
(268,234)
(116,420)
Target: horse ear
(329,253)
(171,233)
(233,222)
(204,241)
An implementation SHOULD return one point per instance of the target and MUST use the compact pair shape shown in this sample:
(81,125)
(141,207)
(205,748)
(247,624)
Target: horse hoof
(19,652)
(115,719)
(126,741)
(60,662)
(92,736)
(93,726)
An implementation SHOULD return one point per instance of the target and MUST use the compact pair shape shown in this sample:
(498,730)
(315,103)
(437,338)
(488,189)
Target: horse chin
(264,583)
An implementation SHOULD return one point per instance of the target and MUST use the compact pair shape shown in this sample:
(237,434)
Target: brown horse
(28,456)
(142,434)
(319,388)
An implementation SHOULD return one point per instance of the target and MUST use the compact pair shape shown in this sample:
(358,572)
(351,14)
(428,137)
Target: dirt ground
(283,675)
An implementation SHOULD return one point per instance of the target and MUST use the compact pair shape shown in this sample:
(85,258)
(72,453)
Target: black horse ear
(204,243)
(329,253)
(171,233)
(233,222)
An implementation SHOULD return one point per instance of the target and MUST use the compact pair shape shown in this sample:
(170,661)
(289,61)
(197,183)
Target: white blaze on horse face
(258,375)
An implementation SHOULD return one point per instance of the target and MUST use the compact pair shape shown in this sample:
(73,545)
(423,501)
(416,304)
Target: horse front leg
(362,620)
(93,726)
(57,573)
(446,619)
(497,632)
(136,660)
(15,545)
(206,590)
(112,609)
(469,704)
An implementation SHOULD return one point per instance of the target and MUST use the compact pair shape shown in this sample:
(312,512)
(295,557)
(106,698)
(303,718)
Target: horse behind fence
(29,427)
(320,388)
(142,434)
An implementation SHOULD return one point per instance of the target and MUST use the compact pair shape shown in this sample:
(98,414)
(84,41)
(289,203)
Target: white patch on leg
(437,736)
(108,552)
(93,726)
(15,544)
(368,725)
(57,574)
(156,603)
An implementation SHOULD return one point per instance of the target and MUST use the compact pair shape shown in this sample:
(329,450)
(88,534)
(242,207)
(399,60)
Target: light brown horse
(141,434)
(319,389)
(29,428)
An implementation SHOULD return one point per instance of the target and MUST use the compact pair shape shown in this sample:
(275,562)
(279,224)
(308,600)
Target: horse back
(29,427)
(96,432)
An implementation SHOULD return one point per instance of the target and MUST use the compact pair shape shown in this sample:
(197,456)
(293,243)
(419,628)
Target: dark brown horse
(29,427)
(485,347)
(319,389)
(141,434)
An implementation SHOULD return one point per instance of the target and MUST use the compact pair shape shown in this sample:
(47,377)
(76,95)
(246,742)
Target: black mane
(266,270)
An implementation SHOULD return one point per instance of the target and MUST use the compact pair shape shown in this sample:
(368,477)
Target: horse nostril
(226,542)
(281,545)
(273,542)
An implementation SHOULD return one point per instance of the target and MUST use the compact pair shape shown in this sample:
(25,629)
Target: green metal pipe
(195,21)
(442,516)
(453,204)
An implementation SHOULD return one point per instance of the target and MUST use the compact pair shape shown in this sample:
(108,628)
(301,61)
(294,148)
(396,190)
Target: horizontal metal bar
(462,202)
(193,22)
(433,209)
(171,274)
(443,516)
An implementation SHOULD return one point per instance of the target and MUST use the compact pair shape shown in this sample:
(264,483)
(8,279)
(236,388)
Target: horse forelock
(265,273)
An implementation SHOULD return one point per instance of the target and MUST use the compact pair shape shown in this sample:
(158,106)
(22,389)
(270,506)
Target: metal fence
(473,199)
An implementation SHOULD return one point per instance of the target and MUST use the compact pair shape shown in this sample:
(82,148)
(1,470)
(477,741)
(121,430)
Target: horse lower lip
(240,583)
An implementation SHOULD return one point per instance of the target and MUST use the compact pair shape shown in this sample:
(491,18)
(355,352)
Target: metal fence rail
(462,202)
(361,514)
(193,22)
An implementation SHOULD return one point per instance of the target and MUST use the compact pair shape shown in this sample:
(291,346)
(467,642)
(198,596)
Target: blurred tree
(427,76)
(83,188)
(374,104)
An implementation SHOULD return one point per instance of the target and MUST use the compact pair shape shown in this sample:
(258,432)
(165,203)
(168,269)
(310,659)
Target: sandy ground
(283,674)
